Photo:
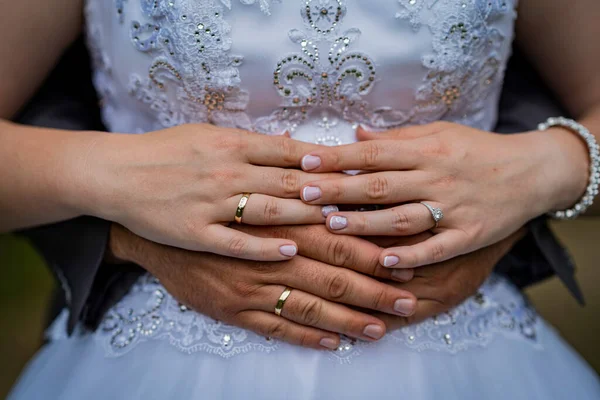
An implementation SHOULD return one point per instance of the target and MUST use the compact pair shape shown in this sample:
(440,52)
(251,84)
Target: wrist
(561,168)
(124,246)
(93,187)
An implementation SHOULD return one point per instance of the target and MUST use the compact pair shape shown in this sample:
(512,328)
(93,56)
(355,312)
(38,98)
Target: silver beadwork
(594,180)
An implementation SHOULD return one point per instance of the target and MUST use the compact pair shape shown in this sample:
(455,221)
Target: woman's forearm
(43,174)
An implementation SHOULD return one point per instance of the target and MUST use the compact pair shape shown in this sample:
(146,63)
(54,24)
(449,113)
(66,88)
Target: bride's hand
(181,187)
(487,186)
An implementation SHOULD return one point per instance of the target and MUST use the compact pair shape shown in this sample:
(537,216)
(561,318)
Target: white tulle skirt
(494,346)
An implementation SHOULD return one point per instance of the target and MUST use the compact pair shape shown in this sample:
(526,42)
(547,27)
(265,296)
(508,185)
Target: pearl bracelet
(592,190)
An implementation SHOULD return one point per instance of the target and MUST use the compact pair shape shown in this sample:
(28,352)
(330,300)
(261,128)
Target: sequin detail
(326,74)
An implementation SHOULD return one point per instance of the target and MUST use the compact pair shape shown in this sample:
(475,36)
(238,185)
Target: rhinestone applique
(306,80)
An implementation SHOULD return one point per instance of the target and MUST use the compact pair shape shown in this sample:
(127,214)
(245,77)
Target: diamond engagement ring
(436,213)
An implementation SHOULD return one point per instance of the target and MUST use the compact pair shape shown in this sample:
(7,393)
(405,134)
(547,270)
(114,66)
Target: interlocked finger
(271,326)
(348,287)
(309,310)
(404,220)
(267,210)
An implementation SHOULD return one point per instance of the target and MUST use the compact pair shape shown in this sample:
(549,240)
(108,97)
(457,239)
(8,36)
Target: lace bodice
(315,68)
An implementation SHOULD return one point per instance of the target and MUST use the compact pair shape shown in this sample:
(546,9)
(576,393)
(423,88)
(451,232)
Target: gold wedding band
(239,213)
(281,302)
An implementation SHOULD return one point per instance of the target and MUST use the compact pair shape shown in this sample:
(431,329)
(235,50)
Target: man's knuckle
(237,246)
(311,312)
(378,300)
(276,330)
(245,289)
(339,251)
(338,286)
(305,339)
(378,188)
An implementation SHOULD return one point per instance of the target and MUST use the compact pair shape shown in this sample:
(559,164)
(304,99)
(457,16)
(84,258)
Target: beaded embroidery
(467,62)
(148,312)
(195,72)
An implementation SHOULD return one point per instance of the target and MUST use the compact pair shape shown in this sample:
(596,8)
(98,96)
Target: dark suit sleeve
(74,249)
(525,103)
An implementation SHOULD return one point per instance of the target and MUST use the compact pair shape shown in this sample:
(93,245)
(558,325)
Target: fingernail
(404,307)
(390,261)
(337,223)
(328,210)
(310,162)
(373,331)
(329,343)
(311,193)
(288,250)
(403,274)
(365,128)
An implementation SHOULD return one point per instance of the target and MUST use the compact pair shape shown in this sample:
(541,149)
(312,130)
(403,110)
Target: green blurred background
(26,286)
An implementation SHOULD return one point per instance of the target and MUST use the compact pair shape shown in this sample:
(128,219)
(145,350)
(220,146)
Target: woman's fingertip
(390,261)
(325,211)
(288,250)
(329,343)
(311,193)
(338,222)
(310,162)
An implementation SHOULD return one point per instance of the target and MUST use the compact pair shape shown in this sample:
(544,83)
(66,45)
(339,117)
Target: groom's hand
(244,293)
(438,287)
(441,287)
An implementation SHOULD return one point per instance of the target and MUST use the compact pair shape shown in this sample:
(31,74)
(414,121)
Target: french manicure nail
(310,162)
(373,331)
(329,343)
(328,210)
(390,261)
(404,307)
(311,193)
(403,274)
(336,223)
(288,250)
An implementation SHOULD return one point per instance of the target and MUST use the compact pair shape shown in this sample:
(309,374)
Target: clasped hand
(337,279)
(485,185)
(181,187)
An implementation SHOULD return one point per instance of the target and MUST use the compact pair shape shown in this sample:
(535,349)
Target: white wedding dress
(318,69)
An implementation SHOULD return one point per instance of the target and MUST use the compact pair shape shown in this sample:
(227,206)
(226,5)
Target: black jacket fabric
(74,249)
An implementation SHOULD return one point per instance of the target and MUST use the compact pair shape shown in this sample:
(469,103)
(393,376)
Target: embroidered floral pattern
(467,62)
(308,80)
(148,312)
